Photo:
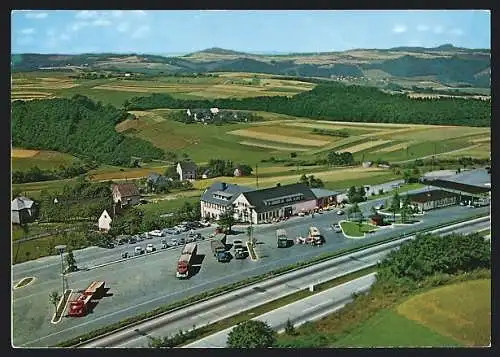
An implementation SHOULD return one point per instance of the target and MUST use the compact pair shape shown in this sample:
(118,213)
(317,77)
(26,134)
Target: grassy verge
(24,282)
(61,306)
(224,289)
(354,229)
(359,316)
(251,251)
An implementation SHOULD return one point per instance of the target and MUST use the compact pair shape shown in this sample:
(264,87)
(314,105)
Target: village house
(433,199)
(186,170)
(104,222)
(22,210)
(125,194)
(154,180)
(218,199)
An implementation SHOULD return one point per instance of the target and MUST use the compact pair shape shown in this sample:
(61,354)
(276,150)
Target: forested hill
(343,103)
(77,126)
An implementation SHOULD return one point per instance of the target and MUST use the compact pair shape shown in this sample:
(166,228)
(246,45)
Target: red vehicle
(185,260)
(78,307)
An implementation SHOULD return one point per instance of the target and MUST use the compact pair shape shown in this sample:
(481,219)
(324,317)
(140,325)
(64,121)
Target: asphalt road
(227,305)
(142,284)
(309,309)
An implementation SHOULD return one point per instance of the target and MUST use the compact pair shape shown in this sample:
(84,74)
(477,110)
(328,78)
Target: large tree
(251,334)
(226,220)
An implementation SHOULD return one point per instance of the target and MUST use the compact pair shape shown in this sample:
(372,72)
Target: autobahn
(246,298)
(142,284)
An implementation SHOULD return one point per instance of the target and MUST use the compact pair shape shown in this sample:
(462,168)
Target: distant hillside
(446,64)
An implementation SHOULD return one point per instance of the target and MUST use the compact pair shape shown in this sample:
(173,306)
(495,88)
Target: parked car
(181,228)
(174,242)
(109,245)
(301,214)
(148,236)
(141,237)
(156,233)
(150,248)
(205,223)
(336,228)
(190,239)
(240,253)
(132,240)
(163,241)
(164,246)
(182,241)
(138,250)
(379,206)
(125,255)
(340,212)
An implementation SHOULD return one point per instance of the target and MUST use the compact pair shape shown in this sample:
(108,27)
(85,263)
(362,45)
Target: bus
(281,238)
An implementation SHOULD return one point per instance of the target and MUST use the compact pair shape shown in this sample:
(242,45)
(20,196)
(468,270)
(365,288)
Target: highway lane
(142,284)
(309,309)
(243,299)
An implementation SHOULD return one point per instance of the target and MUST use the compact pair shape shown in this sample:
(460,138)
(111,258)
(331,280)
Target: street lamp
(60,251)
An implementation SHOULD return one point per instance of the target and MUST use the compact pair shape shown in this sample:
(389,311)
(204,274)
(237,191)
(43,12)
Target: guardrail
(78,341)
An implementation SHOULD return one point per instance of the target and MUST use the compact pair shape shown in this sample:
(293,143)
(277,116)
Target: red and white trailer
(78,307)
(185,260)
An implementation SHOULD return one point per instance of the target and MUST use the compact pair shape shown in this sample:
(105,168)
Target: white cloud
(399,28)
(36,15)
(422,28)
(117,13)
(86,14)
(28,31)
(139,12)
(123,27)
(438,29)
(141,31)
(101,22)
(456,32)
(78,25)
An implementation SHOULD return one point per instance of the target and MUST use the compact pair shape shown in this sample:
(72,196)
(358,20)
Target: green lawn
(45,160)
(387,328)
(170,205)
(354,229)
(33,189)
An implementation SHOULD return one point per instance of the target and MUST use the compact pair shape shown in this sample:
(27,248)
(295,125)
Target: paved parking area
(140,285)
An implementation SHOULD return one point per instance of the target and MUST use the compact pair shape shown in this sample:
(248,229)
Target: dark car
(132,240)
(125,255)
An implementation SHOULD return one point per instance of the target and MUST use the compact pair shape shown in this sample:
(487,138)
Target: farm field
(22,159)
(27,86)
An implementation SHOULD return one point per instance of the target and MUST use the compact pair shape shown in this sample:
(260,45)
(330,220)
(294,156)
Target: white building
(104,222)
(214,110)
(218,198)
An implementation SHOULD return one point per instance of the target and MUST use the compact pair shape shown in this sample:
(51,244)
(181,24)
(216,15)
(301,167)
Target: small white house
(214,110)
(105,221)
(188,112)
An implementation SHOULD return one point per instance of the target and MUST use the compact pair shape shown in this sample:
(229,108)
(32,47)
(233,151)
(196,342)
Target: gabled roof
(187,166)
(20,203)
(126,189)
(321,192)
(223,189)
(106,215)
(457,186)
(257,198)
(156,178)
(428,196)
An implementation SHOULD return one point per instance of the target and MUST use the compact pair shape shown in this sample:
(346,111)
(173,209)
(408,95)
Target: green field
(171,205)
(452,315)
(387,328)
(45,160)
(354,229)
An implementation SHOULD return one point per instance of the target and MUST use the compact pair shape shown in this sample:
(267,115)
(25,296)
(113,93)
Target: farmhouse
(104,222)
(22,210)
(324,197)
(280,201)
(433,199)
(125,194)
(186,170)
(218,198)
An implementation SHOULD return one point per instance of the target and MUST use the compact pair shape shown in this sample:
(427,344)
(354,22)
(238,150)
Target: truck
(79,306)
(281,238)
(186,260)
(314,236)
(219,251)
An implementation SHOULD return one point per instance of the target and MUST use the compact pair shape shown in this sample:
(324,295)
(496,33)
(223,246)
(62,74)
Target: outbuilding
(433,199)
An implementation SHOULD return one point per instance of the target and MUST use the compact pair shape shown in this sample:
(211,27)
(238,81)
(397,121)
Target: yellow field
(438,133)
(461,311)
(23,153)
(395,147)
(481,140)
(141,114)
(329,175)
(478,150)
(254,134)
(364,146)
(269,146)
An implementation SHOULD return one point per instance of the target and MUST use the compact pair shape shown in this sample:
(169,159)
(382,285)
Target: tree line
(35,174)
(77,126)
(339,102)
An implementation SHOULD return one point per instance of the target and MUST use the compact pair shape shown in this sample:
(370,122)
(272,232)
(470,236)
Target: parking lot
(141,284)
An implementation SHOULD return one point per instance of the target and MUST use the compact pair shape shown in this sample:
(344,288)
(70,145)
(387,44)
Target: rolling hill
(446,64)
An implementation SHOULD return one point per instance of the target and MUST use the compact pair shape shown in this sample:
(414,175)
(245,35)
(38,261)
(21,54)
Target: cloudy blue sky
(179,31)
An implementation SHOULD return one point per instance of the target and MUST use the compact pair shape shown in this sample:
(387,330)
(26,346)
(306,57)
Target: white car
(205,223)
(150,248)
(336,228)
(340,212)
(156,233)
(138,250)
(301,214)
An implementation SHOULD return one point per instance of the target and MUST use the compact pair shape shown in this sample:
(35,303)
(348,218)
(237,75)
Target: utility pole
(60,250)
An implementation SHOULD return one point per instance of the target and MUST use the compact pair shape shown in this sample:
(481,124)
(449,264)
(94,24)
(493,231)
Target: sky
(257,31)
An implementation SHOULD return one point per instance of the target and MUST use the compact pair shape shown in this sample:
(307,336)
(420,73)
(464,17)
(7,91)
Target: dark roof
(321,192)
(257,198)
(156,178)
(187,166)
(428,196)
(127,189)
(223,189)
(451,185)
